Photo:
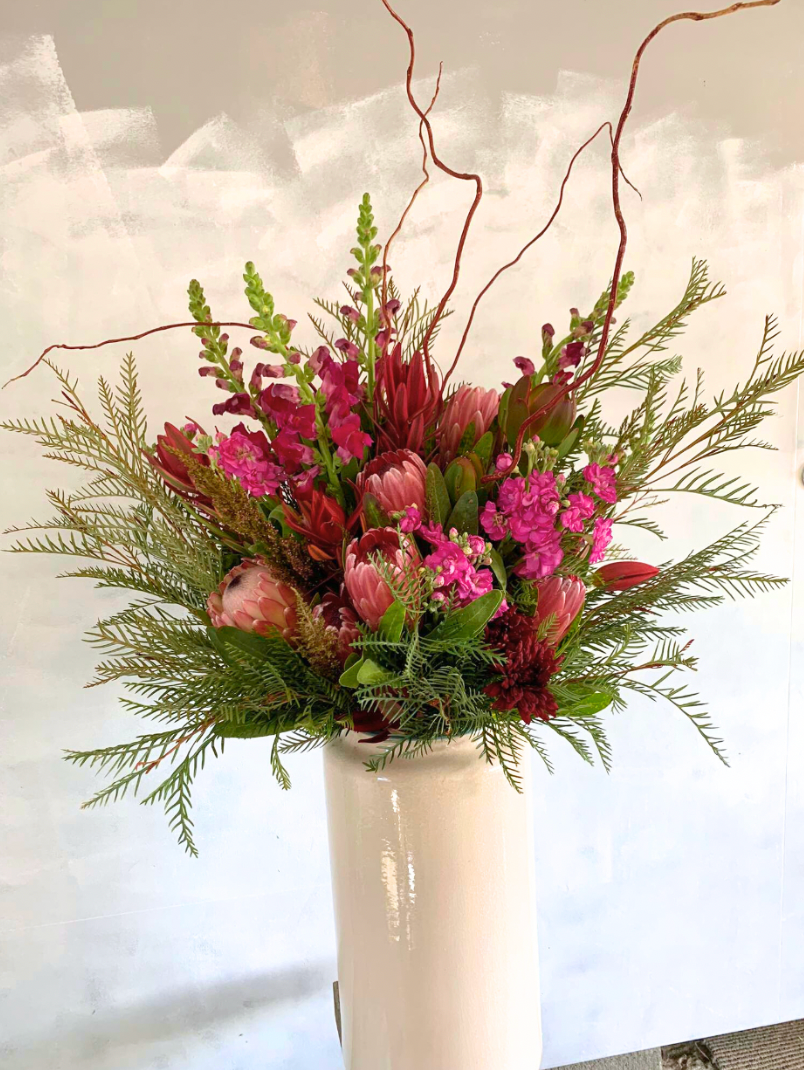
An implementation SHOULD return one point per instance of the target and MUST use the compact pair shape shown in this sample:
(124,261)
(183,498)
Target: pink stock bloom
(601,537)
(369,592)
(603,482)
(531,505)
(504,462)
(542,557)
(349,439)
(247,456)
(561,599)
(469,405)
(340,620)
(249,598)
(581,507)
(455,575)
(494,523)
(411,520)
(396,479)
(526,366)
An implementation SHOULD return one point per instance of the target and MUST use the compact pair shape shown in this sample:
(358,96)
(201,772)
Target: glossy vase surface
(432,872)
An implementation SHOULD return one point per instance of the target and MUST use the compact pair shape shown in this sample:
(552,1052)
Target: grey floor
(777,1047)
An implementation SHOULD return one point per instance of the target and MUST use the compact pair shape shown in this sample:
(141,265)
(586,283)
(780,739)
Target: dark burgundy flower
(521,683)
(407,401)
(340,619)
(236,404)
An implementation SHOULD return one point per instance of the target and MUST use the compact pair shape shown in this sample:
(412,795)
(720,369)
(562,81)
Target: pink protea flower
(369,592)
(339,618)
(560,598)
(249,598)
(468,405)
(396,479)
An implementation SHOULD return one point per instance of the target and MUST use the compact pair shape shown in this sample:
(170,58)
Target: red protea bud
(620,575)
(320,521)
(396,480)
(406,401)
(469,406)
(369,592)
(171,467)
(561,599)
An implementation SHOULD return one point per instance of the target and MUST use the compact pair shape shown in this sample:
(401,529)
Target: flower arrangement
(363,544)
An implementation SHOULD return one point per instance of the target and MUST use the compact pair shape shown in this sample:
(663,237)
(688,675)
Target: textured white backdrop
(671,892)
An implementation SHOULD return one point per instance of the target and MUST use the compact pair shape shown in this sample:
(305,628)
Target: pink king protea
(468,405)
(396,479)
(562,598)
(249,598)
(370,594)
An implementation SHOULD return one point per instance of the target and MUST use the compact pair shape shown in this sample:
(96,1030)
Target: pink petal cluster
(581,507)
(468,405)
(603,480)
(527,510)
(396,479)
(601,537)
(341,389)
(247,456)
(249,598)
(294,422)
(457,578)
(369,592)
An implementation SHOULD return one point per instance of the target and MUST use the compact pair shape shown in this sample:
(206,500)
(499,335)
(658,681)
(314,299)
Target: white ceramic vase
(432,873)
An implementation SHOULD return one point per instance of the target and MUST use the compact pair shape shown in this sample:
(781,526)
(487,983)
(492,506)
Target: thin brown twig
(524,249)
(128,338)
(415,193)
(466,176)
(616,172)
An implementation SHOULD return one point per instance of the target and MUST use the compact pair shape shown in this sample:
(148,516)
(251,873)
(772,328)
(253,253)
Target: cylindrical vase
(432,874)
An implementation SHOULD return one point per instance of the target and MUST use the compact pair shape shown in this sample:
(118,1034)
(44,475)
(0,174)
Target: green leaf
(438,503)
(566,444)
(392,622)
(349,676)
(460,477)
(245,729)
(483,448)
(255,647)
(370,673)
(588,706)
(498,568)
(464,516)
(375,515)
(470,621)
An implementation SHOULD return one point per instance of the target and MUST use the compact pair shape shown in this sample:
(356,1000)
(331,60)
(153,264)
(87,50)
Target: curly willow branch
(616,171)
(413,196)
(466,176)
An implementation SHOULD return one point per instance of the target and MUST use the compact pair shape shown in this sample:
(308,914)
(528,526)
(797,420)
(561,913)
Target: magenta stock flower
(396,479)
(468,406)
(369,592)
(249,598)
(247,456)
(561,599)
(581,507)
(455,576)
(493,522)
(603,482)
(601,537)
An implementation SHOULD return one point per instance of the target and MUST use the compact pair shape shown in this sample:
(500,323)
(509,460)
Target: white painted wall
(671,892)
